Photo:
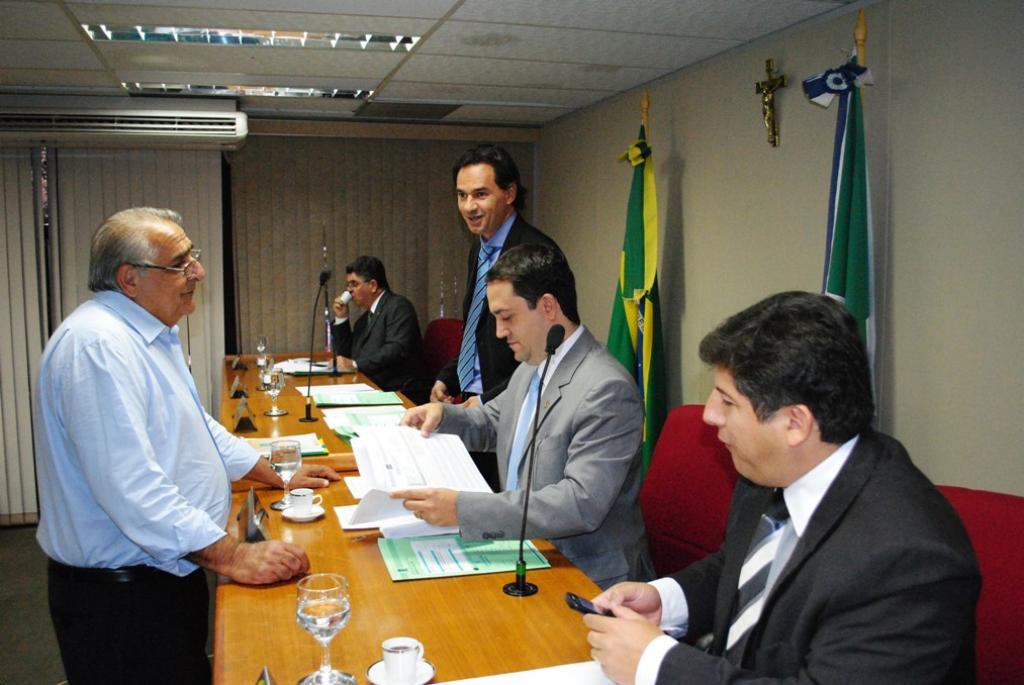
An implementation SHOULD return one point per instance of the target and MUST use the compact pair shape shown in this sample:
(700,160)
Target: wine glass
(261,351)
(285,459)
(322,608)
(275,382)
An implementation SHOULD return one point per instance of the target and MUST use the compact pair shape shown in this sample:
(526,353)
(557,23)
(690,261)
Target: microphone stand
(519,587)
(325,276)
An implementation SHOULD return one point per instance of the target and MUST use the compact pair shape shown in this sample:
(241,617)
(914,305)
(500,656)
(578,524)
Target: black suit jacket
(496,359)
(881,588)
(387,347)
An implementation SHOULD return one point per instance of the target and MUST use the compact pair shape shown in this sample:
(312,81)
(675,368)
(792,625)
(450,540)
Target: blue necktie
(467,353)
(515,455)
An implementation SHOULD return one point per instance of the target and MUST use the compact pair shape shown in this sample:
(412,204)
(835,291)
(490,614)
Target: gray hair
(123,238)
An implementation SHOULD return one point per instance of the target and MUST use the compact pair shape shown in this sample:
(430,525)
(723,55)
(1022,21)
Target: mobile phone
(584,606)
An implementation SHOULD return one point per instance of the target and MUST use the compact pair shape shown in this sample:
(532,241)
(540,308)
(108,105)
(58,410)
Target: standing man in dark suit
(385,343)
(841,564)
(490,196)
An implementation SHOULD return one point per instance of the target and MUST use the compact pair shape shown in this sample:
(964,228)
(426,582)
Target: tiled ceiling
(518,62)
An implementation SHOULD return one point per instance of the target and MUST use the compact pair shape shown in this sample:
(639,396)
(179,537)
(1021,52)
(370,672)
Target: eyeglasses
(188,271)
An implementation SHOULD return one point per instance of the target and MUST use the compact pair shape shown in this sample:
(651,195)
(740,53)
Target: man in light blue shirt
(134,475)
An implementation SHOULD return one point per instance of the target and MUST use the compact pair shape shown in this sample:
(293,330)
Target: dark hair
(797,348)
(369,268)
(534,270)
(505,170)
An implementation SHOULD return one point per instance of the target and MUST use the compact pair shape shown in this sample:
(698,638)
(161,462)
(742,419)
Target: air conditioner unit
(137,128)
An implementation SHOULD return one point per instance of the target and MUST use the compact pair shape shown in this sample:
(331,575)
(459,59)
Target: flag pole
(860,38)
(645,106)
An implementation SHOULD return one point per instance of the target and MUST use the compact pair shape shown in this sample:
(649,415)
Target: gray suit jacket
(587,471)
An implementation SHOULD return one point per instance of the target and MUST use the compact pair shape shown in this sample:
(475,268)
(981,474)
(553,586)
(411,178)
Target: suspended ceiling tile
(144,15)
(512,115)
(570,45)
(39,20)
(388,8)
(53,54)
(298,106)
(498,72)
(453,92)
(300,62)
(734,19)
(58,78)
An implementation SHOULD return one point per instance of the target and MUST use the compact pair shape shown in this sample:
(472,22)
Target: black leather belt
(127,574)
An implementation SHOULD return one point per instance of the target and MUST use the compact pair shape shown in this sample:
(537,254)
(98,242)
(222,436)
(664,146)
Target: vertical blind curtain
(22,336)
(393,199)
(92,184)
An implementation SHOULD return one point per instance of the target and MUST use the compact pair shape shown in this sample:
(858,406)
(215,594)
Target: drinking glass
(261,351)
(285,459)
(275,384)
(322,608)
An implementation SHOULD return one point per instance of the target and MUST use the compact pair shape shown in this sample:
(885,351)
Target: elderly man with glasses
(134,475)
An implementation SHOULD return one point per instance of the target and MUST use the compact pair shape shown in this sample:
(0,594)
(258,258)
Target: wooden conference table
(467,625)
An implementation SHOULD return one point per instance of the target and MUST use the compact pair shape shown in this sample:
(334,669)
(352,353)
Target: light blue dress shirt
(497,240)
(132,470)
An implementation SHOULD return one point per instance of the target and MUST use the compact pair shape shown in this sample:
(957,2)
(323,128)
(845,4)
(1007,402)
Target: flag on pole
(634,337)
(848,274)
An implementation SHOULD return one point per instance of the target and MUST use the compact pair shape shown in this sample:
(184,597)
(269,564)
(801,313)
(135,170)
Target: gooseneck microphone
(520,588)
(325,276)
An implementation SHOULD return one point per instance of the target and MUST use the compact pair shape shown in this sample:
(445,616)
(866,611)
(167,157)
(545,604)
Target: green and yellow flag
(634,337)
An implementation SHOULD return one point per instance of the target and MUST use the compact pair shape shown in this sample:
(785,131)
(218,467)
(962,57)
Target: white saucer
(378,676)
(314,512)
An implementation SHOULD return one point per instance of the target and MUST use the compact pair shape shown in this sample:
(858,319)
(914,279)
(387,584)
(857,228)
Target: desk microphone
(325,276)
(520,588)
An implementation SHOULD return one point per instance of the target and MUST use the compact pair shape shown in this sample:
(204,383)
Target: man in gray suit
(587,463)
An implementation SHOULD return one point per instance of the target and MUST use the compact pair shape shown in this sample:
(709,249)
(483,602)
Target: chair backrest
(686,493)
(993,520)
(441,342)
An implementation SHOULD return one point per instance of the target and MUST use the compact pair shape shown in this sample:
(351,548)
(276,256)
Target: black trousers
(150,629)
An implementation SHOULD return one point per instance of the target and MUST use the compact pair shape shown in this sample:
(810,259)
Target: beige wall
(740,220)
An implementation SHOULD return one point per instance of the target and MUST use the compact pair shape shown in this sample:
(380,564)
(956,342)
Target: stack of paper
(397,458)
(301,367)
(337,395)
(348,422)
(440,556)
(309,444)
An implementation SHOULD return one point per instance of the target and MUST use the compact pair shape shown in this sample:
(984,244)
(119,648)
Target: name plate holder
(265,678)
(254,519)
(238,364)
(245,421)
(237,389)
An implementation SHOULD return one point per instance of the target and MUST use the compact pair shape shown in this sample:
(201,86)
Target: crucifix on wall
(766,89)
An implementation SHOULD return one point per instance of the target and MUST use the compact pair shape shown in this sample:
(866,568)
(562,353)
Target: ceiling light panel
(267,38)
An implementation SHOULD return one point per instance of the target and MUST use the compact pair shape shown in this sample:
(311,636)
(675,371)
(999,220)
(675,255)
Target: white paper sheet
(343,388)
(396,458)
(583,673)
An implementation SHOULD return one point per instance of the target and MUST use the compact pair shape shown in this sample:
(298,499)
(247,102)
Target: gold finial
(860,38)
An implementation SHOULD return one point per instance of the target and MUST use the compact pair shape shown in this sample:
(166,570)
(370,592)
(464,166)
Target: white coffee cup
(346,297)
(401,656)
(303,500)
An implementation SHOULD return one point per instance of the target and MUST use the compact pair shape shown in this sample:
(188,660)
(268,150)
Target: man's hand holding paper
(436,506)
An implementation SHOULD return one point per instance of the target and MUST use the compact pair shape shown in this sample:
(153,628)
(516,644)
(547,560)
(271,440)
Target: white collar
(373,307)
(805,493)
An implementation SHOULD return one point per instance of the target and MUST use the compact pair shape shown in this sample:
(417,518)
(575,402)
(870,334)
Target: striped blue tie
(515,455)
(467,353)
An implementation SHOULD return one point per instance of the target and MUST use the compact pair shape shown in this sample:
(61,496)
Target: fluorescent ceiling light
(248,37)
(243,91)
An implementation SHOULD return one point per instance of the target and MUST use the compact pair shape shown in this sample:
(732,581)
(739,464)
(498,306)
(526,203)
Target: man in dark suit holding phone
(841,561)
(385,343)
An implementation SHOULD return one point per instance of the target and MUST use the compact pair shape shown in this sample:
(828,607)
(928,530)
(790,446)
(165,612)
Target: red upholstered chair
(994,521)
(686,493)
(441,343)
